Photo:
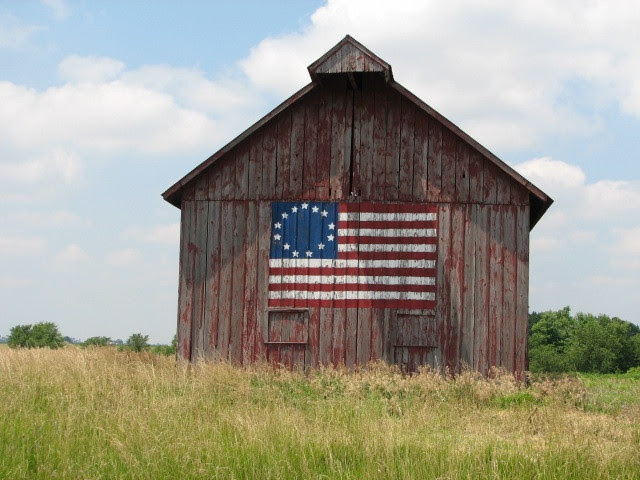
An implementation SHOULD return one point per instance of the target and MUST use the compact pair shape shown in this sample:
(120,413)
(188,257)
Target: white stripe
(389,232)
(351,295)
(360,279)
(339,263)
(373,216)
(386,247)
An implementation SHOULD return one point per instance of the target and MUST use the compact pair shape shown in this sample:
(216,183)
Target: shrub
(44,334)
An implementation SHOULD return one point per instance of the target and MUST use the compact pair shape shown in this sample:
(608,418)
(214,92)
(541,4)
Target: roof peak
(349,56)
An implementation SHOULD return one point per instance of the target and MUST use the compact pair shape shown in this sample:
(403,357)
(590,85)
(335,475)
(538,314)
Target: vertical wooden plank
(351,335)
(495,286)
(201,190)
(254,187)
(241,160)
(228,177)
(226,279)
(503,189)
(378,166)
(213,280)
(262,280)
(420,156)
(462,172)
(443,282)
(456,305)
(354,183)
(340,143)
(283,155)
(250,284)
(481,289)
(519,194)
(468,309)
(434,164)
(325,342)
(269,165)
(365,159)
(185,288)
(309,179)
(392,147)
(379,327)
(489,183)
(449,147)
(199,279)
(323,161)
(507,352)
(296,162)
(407,141)
(339,324)
(215,182)
(312,356)
(237,295)
(476,185)
(522,288)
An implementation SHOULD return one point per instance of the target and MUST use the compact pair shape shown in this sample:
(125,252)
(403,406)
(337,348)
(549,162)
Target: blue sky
(103,105)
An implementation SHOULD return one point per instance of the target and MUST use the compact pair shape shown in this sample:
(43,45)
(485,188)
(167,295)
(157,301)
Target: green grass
(99,413)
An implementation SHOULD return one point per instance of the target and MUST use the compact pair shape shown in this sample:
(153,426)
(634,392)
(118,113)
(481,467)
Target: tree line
(562,342)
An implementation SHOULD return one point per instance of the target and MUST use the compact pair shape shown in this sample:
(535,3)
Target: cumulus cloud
(54,219)
(13,32)
(508,90)
(123,257)
(89,69)
(17,245)
(71,254)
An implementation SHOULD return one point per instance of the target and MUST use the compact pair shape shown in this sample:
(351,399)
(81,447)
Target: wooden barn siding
(379,146)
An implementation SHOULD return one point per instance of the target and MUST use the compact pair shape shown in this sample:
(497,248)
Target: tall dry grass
(103,414)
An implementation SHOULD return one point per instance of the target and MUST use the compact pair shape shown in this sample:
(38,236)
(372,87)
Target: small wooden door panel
(287,337)
(414,341)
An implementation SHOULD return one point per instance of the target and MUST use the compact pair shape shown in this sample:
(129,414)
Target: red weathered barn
(426,254)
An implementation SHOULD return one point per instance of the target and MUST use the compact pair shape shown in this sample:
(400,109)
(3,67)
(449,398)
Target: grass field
(99,413)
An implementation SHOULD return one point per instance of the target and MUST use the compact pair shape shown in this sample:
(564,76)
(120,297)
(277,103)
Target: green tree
(138,342)
(44,334)
(548,341)
(96,342)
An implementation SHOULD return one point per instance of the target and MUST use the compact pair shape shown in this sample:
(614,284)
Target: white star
(294,209)
(324,213)
(332,226)
(284,215)
(314,209)
(309,253)
(277,225)
(286,246)
(330,238)
(305,205)
(295,253)
(276,236)
(321,246)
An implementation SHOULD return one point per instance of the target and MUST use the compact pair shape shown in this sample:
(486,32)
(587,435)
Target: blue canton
(304,230)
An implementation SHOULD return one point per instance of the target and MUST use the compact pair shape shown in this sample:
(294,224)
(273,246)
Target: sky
(104,105)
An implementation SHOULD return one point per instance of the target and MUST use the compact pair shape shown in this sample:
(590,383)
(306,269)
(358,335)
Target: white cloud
(71,254)
(165,234)
(12,245)
(13,33)
(56,163)
(60,8)
(14,282)
(123,257)
(500,69)
(89,69)
(55,219)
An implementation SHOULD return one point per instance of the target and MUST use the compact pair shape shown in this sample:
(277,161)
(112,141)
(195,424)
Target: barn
(355,223)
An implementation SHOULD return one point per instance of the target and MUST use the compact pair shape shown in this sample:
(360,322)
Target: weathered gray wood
(262,279)
(283,155)
(489,179)
(420,157)
(522,288)
(434,164)
(185,289)
(456,279)
(503,192)
(250,285)
(468,309)
(378,167)
(443,282)
(476,183)
(241,184)
(323,161)
(462,173)
(407,136)
(507,352)
(269,162)
(254,186)
(495,287)
(392,148)
(309,170)
(239,256)
(481,285)
(226,278)
(297,151)
(212,292)
(365,159)
(325,341)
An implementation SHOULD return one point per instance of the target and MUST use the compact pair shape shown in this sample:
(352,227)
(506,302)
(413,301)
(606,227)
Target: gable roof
(347,58)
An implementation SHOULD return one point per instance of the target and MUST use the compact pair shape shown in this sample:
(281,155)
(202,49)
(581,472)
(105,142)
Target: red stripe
(404,304)
(367,272)
(387,224)
(387,207)
(387,255)
(346,239)
(349,287)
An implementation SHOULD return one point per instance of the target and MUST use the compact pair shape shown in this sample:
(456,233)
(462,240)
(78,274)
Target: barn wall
(366,145)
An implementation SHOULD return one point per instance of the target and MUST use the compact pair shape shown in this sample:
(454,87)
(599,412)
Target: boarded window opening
(288,327)
(414,341)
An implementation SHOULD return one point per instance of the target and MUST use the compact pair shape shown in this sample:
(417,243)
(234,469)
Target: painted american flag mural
(352,255)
